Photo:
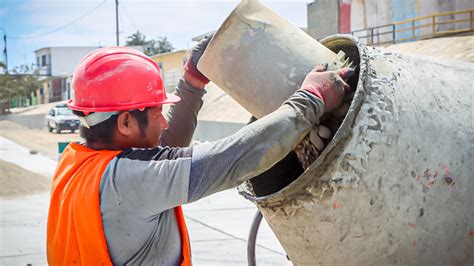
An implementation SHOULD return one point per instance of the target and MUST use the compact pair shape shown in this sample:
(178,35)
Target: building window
(37,61)
(43,60)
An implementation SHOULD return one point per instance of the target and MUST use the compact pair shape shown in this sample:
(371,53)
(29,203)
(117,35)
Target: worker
(116,197)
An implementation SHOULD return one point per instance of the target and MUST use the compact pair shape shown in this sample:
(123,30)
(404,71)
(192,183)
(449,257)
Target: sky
(34,24)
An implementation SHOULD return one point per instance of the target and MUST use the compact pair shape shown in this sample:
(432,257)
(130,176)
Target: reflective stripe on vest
(75,232)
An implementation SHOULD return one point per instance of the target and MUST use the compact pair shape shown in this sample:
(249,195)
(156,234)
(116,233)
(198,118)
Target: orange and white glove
(328,86)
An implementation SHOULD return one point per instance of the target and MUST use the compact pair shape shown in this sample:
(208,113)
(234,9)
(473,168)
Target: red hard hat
(116,79)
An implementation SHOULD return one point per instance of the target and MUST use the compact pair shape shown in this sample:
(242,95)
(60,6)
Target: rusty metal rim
(311,175)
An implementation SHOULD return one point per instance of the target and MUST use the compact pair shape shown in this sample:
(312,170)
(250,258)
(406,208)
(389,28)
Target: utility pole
(5,51)
(117,21)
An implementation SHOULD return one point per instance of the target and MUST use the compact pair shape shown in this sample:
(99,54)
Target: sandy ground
(452,48)
(16,181)
(42,141)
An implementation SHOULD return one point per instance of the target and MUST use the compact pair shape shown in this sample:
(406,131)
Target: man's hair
(104,131)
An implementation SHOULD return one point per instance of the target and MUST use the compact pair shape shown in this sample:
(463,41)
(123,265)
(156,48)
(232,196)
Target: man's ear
(125,124)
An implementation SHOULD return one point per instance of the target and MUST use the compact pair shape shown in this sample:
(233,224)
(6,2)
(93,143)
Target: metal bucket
(394,185)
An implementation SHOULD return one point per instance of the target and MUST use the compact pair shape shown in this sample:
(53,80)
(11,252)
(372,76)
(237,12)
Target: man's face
(156,124)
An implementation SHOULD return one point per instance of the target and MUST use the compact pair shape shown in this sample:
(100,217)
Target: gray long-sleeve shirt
(140,187)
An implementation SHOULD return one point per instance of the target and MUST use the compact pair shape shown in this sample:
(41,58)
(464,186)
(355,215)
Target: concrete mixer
(394,184)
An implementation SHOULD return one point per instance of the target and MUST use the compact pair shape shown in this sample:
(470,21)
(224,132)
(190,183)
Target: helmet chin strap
(95,118)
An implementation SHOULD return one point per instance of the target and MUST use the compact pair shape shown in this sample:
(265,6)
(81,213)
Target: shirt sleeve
(182,117)
(228,162)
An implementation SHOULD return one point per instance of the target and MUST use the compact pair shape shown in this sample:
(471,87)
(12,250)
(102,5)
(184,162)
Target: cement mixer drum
(395,184)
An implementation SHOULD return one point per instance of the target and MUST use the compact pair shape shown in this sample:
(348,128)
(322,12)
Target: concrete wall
(428,7)
(370,13)
(30,121)
(323,18)
(463,5)
(403,10)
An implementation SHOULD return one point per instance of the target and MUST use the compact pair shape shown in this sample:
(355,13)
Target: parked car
(60,117)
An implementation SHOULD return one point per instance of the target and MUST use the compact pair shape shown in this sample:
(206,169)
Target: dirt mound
(16,181)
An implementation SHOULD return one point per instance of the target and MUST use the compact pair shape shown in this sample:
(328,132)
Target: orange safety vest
(75,232)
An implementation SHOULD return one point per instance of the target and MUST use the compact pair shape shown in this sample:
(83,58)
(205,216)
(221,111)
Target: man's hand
(328,86)
(191,73)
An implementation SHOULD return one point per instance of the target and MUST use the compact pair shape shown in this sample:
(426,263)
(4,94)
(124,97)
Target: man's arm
(228,162)
(154,180)
(182,117)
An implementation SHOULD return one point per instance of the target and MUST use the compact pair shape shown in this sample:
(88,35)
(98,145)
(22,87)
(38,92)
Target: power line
(5,51)
(60,28)
(128,17)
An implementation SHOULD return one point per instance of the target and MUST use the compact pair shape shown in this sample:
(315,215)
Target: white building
(60,61)
(56,65)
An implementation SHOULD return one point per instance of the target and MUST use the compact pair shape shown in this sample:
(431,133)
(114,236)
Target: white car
(61,118)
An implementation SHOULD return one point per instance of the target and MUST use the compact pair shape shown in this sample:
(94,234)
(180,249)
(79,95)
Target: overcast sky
(27,22)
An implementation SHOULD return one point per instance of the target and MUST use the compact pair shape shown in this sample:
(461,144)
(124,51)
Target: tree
(164,45)
(20,82)
(152,47)
(159,46)
(136,39)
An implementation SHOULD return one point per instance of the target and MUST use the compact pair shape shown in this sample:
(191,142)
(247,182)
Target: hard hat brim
(170,99)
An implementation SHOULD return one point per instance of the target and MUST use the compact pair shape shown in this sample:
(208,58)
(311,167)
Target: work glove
(191,73)
(328,86)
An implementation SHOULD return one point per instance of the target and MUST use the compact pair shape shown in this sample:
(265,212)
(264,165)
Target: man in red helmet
(116,198)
